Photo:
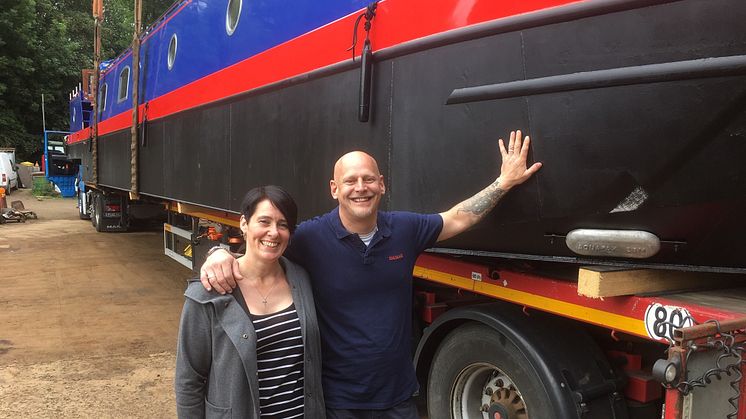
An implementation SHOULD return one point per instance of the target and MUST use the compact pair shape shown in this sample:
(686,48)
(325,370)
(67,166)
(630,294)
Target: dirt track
(88,320)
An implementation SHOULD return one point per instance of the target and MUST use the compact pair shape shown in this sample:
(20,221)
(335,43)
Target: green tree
(44,44)
(36,56)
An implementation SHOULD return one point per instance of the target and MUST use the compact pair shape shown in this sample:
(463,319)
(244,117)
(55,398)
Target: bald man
(360,261)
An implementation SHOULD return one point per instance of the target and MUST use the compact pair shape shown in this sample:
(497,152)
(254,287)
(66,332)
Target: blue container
(66,184)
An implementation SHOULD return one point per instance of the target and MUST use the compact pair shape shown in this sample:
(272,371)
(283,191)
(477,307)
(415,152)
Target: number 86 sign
(660,320)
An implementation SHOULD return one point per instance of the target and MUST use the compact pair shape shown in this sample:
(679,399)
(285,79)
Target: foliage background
(44,44)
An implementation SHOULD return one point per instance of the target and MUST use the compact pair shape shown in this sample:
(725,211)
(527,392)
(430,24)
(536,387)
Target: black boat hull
(664,157)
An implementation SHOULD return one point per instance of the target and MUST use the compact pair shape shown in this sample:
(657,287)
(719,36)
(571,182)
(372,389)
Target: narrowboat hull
(662,155)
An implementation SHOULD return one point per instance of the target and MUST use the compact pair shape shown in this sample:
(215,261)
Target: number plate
(660,320)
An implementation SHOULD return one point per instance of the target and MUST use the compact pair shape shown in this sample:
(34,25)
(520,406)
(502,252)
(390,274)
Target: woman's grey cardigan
(216,373)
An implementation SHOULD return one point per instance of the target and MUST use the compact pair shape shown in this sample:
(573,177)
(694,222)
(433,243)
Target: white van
(8,172)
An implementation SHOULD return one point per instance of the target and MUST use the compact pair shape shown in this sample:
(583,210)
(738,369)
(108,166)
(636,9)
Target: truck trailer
(610,285)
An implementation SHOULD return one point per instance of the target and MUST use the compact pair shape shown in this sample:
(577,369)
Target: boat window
(102,97)
(172,51)
(232,14)
(124,84)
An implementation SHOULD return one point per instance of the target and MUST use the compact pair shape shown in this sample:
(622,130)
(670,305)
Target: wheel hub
(483,391)
(506,403)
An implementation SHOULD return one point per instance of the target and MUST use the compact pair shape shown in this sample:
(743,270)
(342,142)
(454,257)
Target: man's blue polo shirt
(364,303)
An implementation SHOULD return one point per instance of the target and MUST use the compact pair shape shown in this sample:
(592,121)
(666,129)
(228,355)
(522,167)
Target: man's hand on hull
(220,272)
(513,170)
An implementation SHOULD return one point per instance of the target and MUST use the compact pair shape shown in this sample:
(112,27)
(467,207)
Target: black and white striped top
(279,354)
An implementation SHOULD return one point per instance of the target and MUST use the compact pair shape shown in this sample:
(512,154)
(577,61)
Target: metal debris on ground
(11,215)
(18,206)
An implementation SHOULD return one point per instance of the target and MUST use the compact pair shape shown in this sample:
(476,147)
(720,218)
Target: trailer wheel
(478,373)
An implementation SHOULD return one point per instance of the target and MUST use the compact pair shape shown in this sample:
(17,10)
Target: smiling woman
(259,343)
(266,230)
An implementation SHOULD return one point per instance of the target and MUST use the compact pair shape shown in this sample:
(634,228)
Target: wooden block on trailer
(607,281)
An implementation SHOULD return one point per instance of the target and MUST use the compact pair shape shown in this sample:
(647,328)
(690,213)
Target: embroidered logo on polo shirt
(397,257)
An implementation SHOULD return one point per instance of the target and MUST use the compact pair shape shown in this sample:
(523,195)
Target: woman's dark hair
(279,197)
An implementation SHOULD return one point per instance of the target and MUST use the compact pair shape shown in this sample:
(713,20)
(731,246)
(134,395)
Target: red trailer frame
(694,322)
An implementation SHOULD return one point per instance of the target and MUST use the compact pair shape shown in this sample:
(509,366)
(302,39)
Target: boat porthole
(172,51)
(232,14)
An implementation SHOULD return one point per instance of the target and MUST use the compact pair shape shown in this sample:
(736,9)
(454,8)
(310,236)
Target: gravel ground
(88,321)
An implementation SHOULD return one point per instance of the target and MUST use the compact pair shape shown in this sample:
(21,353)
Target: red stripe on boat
(396,22)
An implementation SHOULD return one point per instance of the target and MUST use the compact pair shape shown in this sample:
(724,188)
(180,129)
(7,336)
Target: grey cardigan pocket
(216,412)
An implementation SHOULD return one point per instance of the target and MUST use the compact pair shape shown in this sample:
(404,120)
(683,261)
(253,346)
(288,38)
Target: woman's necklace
(264,297)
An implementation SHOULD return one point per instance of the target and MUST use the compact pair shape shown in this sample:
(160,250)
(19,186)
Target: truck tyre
(477,373)
(81,211)
(98,211)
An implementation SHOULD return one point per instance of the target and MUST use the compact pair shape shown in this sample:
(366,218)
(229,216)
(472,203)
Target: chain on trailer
(729,343)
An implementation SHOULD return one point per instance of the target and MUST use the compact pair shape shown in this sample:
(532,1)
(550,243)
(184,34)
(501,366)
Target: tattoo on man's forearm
(483,202)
